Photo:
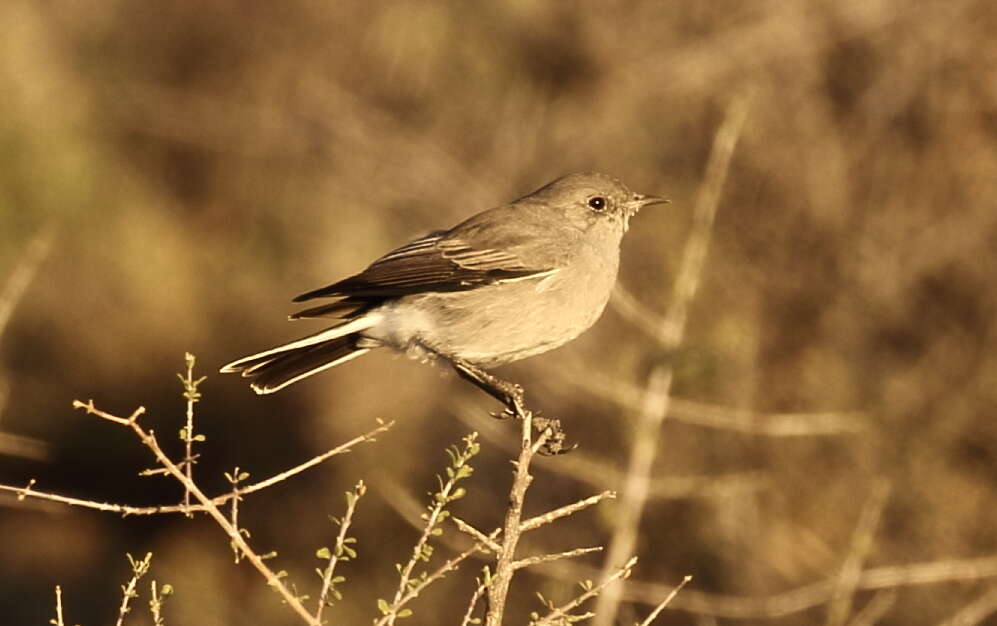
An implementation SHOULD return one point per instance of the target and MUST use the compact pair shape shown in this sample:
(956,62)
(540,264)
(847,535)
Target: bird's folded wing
(436,262)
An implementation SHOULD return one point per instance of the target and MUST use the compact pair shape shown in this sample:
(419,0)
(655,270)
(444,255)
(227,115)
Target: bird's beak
(640,201)
(643,201)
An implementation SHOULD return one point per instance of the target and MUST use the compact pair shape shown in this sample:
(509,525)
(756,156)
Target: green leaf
(383,606)
(323,553)
(404,613)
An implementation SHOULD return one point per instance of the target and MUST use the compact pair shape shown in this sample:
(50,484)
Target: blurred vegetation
(201,163)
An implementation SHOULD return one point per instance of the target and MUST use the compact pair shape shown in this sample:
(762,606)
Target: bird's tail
(278,367)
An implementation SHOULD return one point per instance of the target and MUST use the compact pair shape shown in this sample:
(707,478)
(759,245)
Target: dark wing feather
(436,262)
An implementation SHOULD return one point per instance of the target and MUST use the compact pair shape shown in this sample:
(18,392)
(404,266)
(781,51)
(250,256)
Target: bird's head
(592,198)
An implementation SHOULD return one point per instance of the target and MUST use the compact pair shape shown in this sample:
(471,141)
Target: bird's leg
(509,394)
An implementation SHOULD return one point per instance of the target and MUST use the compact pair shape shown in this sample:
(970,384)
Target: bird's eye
(598,203)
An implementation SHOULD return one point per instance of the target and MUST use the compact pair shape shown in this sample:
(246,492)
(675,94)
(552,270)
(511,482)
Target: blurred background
(171,174)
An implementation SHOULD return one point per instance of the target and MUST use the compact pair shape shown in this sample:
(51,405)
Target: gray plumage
(508,283)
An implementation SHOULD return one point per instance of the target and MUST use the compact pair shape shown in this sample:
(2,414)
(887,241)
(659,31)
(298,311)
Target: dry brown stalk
(975,612)
(848,578)
(657,394)
(812,595)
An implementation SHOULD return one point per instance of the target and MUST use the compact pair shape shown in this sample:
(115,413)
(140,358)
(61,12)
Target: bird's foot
(554,444)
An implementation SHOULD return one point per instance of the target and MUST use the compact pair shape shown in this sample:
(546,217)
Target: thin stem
(563,610)
(661,607)
(58,607)
(124,509)
(328,576)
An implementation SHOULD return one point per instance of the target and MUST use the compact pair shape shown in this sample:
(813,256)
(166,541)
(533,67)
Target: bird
(508,283)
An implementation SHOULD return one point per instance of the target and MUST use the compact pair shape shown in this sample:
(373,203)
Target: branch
(563,611)
(414,591)
(661,607)
(124,509)
(498,587)
(557,556)
(848,578)
(564,511)
(458,470)
(148,438)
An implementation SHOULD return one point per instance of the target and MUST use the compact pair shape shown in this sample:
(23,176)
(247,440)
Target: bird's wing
(439,261)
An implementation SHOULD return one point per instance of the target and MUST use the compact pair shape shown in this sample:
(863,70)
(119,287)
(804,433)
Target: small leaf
(404,613)
(382,606)
(323,553)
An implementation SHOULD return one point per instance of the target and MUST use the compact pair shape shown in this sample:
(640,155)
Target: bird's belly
(500,323)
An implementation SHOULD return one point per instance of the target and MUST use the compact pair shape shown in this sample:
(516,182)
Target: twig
(473,602)
(814,594)
(656,398)
(340,552)
(601,474)
(848,578)
(564,511)
(557,556)
(458,470)
(192,395)
(498,587)
(148,438)
(23,274)
(156,600)
(58,621)
(11,295)
(976,611)
(440,572)
(21,446)
(661,607)
(476,534)
(234,479)
(875,609)
(139,569)
(629,396)
(563,610)
(124,509)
